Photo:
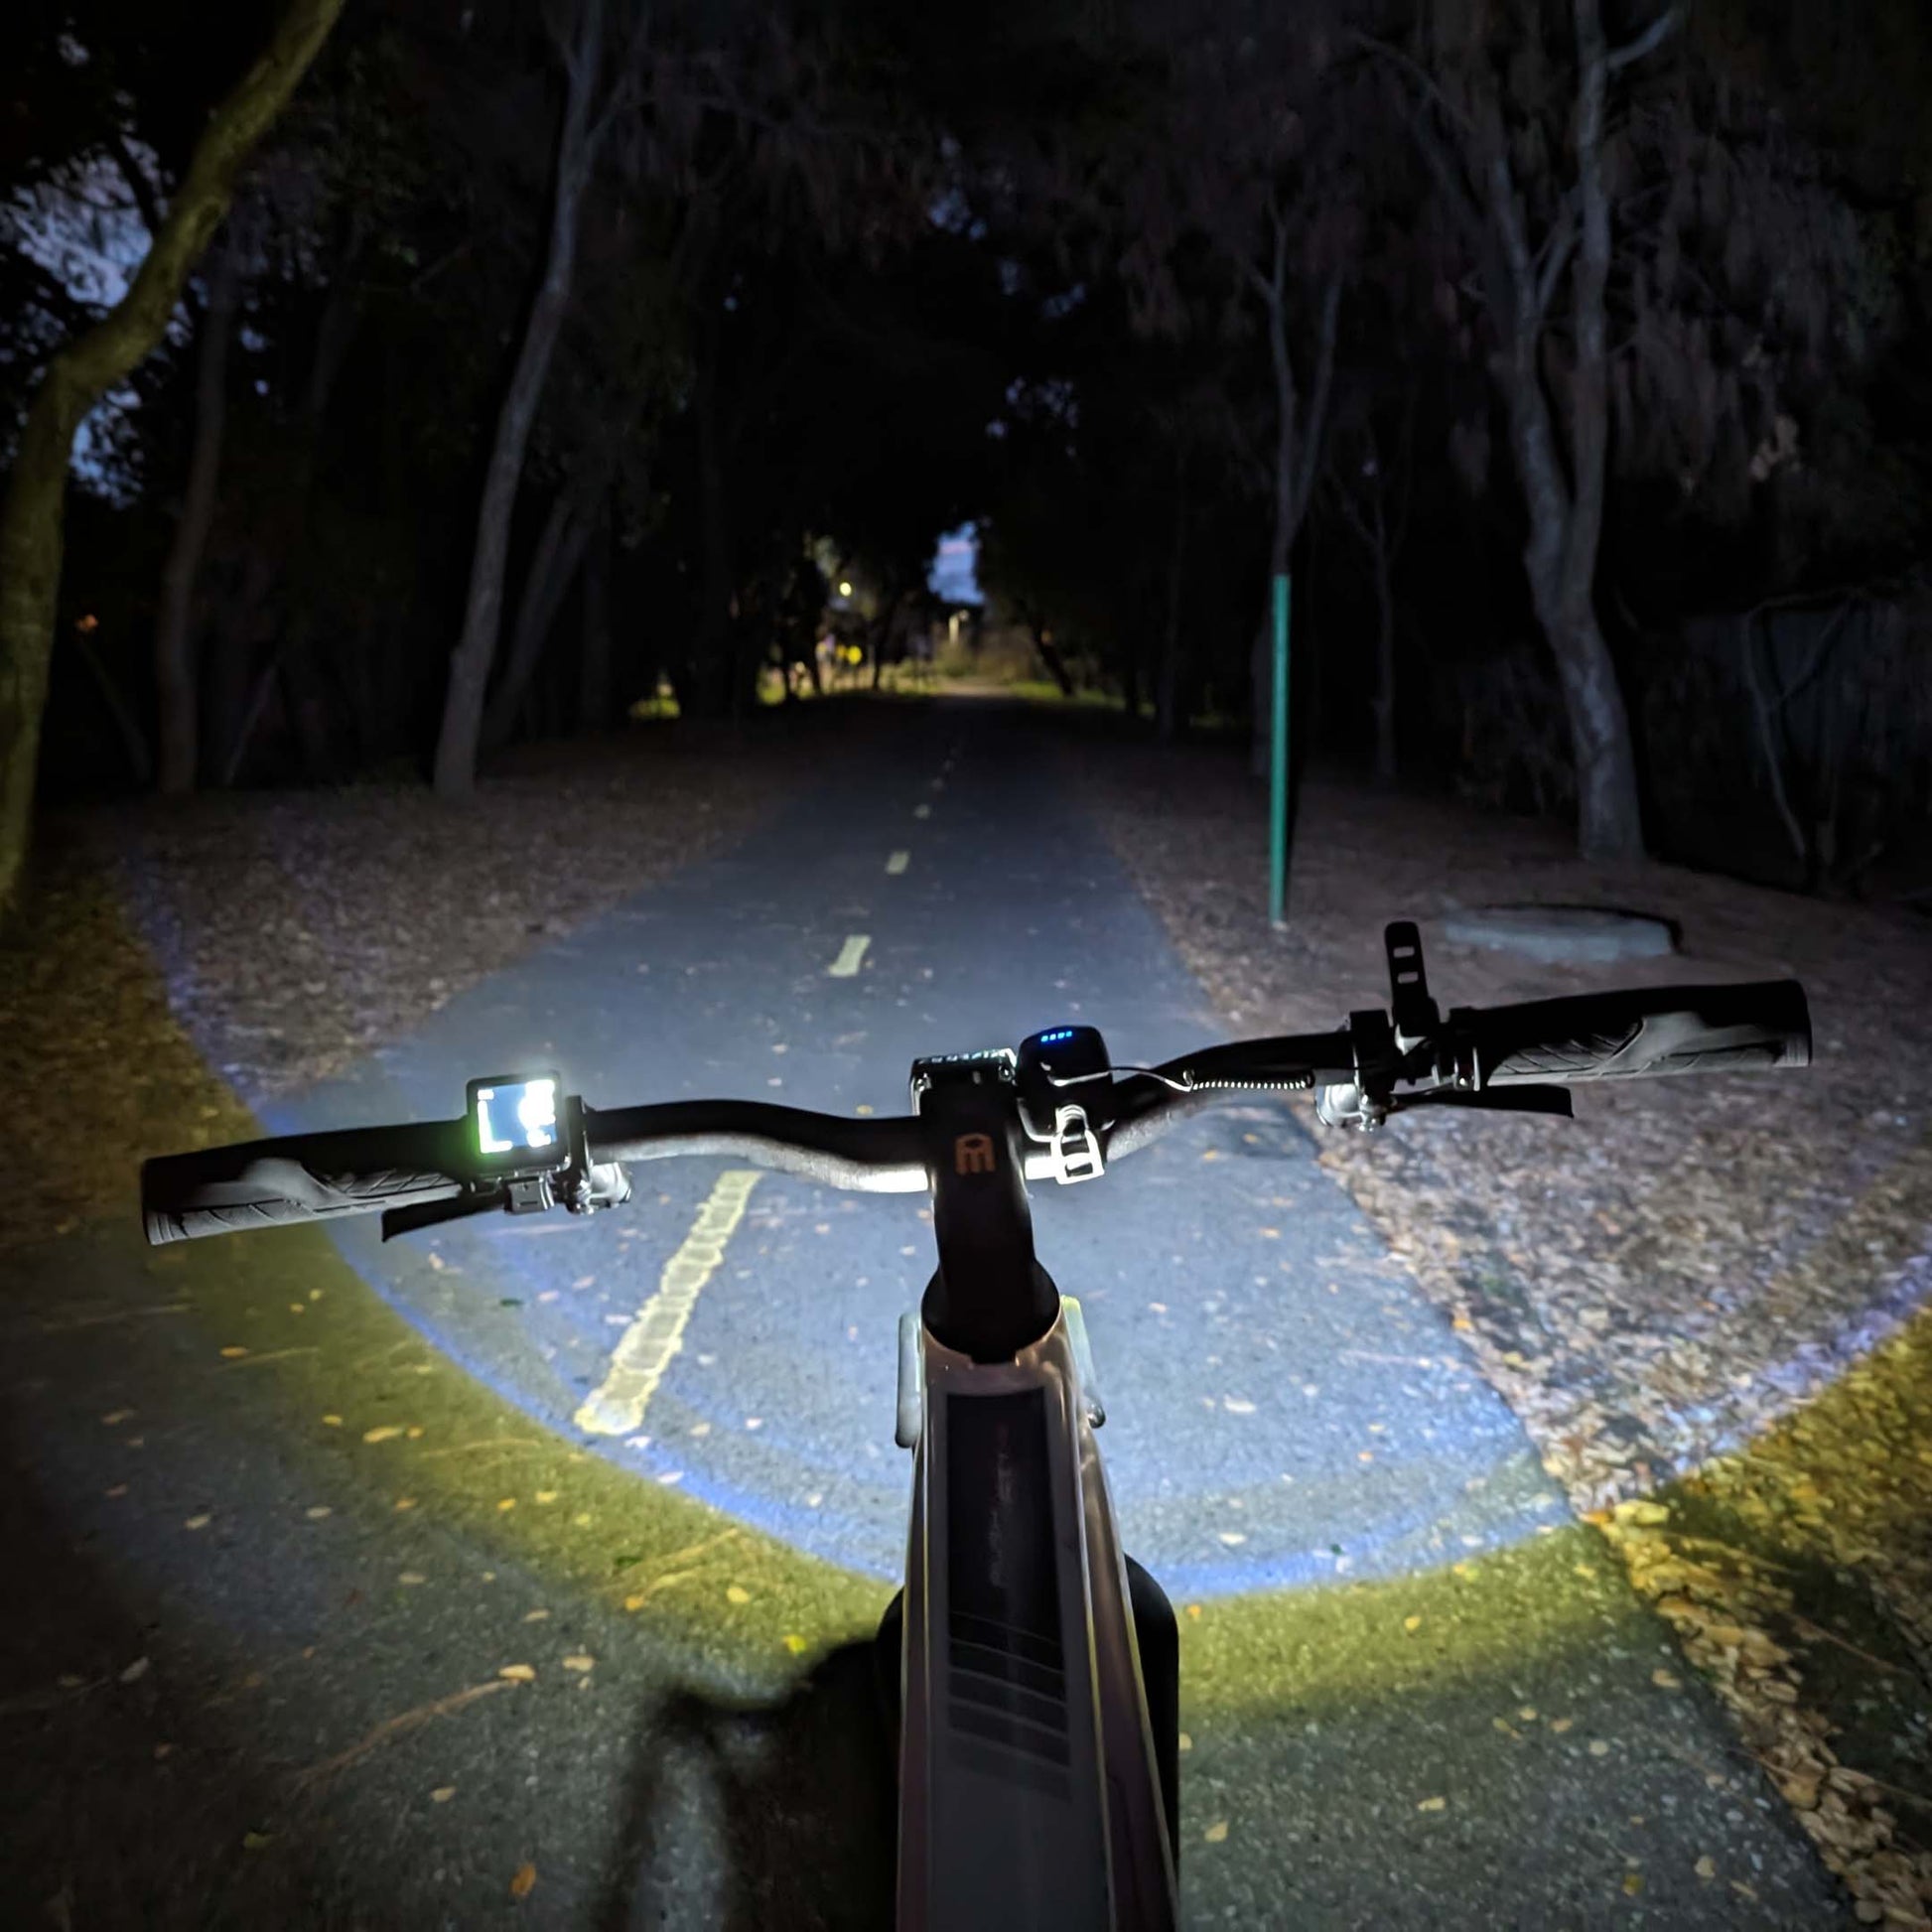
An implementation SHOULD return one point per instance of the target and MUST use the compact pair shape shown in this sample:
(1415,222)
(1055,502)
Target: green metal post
(1278,764)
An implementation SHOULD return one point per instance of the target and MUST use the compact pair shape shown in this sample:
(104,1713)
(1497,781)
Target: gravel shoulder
(1702,1299)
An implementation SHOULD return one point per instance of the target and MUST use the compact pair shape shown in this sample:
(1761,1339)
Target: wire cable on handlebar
(1282,1083)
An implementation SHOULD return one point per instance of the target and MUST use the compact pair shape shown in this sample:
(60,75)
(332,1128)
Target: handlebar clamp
(1072,1149)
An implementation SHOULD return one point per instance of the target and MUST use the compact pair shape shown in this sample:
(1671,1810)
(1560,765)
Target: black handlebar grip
(299,1178)
(1642,1032)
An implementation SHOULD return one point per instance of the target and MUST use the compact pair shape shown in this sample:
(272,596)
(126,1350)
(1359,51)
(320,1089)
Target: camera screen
(517,1121)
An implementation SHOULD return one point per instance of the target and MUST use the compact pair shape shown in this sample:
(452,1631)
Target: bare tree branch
(1423,78)
(1647,42)
(1325,369)
(1557,245)
(1770,739)
(136,177)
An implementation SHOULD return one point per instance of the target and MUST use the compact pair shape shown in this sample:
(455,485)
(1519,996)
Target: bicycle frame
(1033,1788)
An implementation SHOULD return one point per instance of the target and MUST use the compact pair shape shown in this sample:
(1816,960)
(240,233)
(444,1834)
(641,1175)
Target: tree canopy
(1164,299)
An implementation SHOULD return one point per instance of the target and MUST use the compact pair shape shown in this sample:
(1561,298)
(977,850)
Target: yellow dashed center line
(657,1333)
(850,954)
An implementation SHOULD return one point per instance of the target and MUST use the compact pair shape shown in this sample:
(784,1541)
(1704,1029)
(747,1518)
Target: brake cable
(1279,1083)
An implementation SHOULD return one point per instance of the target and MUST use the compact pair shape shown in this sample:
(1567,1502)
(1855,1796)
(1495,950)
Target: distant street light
(845,589)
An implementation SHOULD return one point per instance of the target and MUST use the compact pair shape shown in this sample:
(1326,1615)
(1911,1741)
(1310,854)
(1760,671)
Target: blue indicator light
(1054,1038)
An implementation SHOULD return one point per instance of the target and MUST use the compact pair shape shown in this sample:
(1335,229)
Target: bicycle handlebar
(1641,1034)
(1592,1036)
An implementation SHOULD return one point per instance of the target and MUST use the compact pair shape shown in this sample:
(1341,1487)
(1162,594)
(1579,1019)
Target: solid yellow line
(645,1350)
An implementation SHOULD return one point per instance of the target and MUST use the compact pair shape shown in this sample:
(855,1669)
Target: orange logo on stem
(973,1153)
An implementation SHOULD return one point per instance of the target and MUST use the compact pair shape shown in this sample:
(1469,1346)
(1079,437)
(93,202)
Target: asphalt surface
(298,1502)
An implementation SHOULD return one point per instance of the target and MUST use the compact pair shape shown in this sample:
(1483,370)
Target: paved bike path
(1415,1693)
(1290,1411)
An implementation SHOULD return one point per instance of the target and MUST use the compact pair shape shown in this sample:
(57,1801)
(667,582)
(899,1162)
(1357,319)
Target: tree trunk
(1296,454)
(1566,512)
(476,651)
(1384,705)
(559,551)
(235,625)
(177,692)
(1050,655)
(1166,695)
(307,704)
(119,709)
(593,673)
(251,717)
(31,519)
(714,673)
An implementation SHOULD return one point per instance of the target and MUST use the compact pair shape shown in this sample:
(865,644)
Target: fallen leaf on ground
(518,1673)
(232,1354)
(382,1433)
(117,1416)
(411,1576)
(1216,1832)
(135,1671)
(258,1840)
(737,1594)
(580,1660)
(1706,1866)
(1412,1623)
(534,1616)
(441,1794)
(331,1422)
(525,1880)
(197,1522)
(316,1511)
(1433,1804)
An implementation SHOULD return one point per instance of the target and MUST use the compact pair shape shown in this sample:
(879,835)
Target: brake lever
(1501,1100)
(429,1214)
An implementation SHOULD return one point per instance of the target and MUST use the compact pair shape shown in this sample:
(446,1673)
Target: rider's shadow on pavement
(760,1816)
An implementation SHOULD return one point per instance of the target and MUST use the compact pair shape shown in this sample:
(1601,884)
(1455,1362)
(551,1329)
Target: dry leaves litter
(300,927)
(1707,1284)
